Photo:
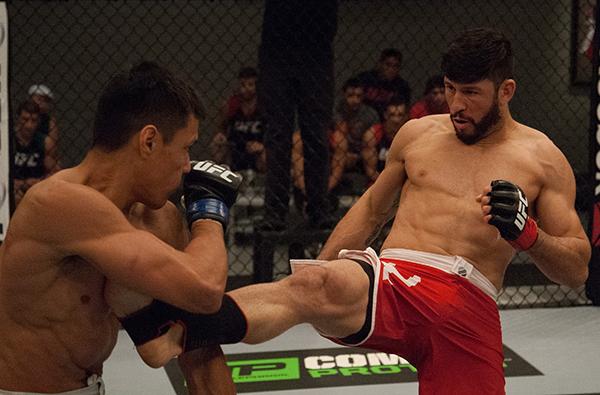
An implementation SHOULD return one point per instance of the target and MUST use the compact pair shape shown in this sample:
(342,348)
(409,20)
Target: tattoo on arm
(371,238)
(395,205)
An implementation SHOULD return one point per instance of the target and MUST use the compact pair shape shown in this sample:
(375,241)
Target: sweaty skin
(81,226)
(442,177)
(54,317)
(443,181)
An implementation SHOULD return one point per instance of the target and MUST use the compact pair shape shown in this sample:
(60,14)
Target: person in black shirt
(34,151)
(239,139)
(384,83)
(296,77)
(43,97)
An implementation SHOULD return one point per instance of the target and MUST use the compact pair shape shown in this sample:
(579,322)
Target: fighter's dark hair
(247,72)
(147,94)
(478,54)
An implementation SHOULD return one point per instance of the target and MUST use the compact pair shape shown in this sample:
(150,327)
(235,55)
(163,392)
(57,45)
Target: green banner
(330,367)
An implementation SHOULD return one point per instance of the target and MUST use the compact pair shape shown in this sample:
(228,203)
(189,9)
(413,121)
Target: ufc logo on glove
(213,168)
(521,217)
(209,190)
(509,214)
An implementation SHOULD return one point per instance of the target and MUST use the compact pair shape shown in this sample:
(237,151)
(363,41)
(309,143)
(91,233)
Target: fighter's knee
(309,280)
(313,286)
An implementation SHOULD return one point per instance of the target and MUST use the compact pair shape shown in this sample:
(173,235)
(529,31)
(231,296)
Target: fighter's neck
(110,174)
(500,132)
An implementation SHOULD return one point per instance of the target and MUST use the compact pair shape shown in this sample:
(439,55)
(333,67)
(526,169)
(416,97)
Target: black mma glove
(209,190)
(509,215)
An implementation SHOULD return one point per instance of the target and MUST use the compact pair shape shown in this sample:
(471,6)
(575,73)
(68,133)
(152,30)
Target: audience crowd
(372,106)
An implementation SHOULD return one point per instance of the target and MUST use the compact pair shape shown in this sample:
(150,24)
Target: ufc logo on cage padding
(521,216)
(212,168)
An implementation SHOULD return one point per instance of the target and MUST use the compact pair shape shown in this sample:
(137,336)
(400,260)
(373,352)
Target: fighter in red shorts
(430,295)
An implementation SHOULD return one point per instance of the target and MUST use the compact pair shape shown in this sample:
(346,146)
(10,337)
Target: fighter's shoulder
(55,195)
(546,153)
(424,128)
(539,142)
(59,212)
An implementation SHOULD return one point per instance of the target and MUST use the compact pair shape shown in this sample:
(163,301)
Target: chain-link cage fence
(73,47)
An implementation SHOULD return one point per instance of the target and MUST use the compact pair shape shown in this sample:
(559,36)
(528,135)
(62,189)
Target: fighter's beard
(482,128)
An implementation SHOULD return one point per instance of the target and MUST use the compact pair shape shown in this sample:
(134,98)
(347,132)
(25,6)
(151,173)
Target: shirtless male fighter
(108,218)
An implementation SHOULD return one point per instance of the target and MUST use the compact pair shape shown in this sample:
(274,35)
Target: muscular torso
(438,211)
(55,325)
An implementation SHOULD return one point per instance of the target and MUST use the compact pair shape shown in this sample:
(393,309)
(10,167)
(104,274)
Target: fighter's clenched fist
(505,206)
(209,191)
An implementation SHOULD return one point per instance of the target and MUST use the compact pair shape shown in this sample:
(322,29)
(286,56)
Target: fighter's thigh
(337,294)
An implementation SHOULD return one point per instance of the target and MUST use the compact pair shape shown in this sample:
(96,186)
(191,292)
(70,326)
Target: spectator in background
(380,137)
(384,82)
(352,119)
(347,143)
(239,139)
(338,150)
(34,151)
(43,96)
(433,101)
(296,77)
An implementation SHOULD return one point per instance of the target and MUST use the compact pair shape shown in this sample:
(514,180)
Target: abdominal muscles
(449,225)
(52,339)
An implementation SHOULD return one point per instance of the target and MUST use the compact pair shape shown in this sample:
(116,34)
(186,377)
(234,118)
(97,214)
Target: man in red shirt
(433,101)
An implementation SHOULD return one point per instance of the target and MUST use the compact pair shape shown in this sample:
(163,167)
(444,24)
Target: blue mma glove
(209,191)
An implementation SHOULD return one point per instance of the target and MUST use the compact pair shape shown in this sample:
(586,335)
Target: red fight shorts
(439,313)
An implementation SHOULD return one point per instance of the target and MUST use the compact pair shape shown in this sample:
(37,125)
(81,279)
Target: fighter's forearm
(208,244)
(563,260)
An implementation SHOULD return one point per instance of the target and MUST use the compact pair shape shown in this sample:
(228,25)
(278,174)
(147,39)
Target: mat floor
(561,344)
